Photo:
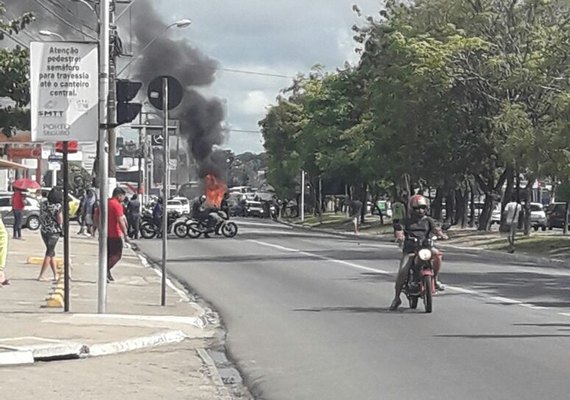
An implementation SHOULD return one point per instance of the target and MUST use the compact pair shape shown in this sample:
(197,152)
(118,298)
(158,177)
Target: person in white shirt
(512,211)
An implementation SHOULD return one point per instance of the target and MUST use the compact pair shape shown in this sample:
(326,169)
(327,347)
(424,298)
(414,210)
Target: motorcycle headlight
(424,254)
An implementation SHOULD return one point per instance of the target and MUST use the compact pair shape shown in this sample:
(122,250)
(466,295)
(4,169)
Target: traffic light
(72,146)
(127,91)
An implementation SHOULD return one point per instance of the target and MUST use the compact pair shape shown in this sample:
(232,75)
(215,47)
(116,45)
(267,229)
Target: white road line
(461,290)
(353,265)
(504,300)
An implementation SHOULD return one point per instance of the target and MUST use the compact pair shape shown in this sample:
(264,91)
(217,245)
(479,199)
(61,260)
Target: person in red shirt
(117,230)
(18,209)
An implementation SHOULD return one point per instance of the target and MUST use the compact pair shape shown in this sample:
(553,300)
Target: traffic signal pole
(104,43)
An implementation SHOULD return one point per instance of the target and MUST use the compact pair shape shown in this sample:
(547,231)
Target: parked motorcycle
(195,228)
(176,223)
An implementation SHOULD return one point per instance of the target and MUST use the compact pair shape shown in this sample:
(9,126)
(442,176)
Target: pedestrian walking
(133,216)
(512,211)
(355,209)
(399,209)
(117,230)
(88,211)
(51,220)
(18,211)
(3,254)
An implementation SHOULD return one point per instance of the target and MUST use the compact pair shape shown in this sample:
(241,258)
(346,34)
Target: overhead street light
(51,34)
(183,23)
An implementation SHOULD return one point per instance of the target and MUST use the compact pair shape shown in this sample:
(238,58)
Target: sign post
(64,106)
(166,190)
(65,227)
(165,93)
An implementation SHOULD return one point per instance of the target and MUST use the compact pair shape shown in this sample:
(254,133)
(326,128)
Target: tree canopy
(447,93)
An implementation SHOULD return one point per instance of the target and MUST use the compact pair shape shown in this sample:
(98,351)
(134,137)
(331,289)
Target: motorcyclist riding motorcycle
(157,211)
(416,227)
(202,211)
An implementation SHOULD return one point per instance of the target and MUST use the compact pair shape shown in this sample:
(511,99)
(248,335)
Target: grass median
(552,244)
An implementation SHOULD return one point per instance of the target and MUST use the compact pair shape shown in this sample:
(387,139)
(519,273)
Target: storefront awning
(5,164)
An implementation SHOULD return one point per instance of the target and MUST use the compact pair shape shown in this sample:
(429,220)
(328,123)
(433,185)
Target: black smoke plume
(200,118)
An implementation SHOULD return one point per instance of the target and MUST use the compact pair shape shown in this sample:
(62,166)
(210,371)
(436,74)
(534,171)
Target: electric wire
(60,18)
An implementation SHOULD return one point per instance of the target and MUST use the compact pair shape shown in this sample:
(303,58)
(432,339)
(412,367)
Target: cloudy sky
(271,37)
(268,36)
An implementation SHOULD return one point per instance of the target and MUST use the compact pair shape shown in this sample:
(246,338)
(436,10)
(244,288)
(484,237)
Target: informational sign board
(64,91)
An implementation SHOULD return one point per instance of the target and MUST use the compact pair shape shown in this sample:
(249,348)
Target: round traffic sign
(155,91)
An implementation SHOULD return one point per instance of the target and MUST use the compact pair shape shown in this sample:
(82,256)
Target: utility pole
(104,42)
(112,136)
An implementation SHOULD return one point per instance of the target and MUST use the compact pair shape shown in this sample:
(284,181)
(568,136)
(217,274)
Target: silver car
(31,214)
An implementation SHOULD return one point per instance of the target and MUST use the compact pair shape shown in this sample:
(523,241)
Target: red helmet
(418,201)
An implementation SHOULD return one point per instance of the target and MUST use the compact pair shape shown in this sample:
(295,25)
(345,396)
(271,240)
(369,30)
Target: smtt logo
(45,113)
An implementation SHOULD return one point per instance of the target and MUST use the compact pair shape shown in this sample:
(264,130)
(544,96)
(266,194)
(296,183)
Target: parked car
(537,216)
(179,204)
(254,209)
(30,217)
(555,215)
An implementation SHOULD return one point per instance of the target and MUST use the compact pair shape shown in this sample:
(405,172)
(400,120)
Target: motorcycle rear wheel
(147,231)
(181,230)
(193,230)
(229,229)
(428,293)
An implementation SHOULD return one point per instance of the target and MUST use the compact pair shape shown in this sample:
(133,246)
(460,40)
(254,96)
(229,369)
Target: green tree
(14,73)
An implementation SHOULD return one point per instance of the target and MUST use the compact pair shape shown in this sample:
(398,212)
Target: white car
(179,204)
(537,216)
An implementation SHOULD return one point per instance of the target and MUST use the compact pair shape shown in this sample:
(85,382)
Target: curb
(551,262)
(159,339)
(19,355)
(16,357)
(202,319)
(214,373)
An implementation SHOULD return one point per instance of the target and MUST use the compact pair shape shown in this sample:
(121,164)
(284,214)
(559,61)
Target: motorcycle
(176,223)
(421,278)
(195,228)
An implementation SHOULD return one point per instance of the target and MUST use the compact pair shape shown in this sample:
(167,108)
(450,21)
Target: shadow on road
(505,336)
(527,287)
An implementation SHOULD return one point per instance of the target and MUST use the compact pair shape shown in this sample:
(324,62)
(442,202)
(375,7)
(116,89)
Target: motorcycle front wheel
(181,230)
(229,229)
(193,230)
(428,293)
(147,231)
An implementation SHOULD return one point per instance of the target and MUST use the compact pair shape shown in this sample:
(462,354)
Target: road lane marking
(334,260)
(503,300)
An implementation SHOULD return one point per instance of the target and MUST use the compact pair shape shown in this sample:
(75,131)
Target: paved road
(307,318)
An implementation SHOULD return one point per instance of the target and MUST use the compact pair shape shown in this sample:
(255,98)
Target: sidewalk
(179,369)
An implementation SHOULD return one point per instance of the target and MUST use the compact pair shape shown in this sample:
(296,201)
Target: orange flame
(215,190)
